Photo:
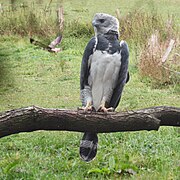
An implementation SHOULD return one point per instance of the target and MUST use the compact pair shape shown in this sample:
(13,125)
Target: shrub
(78,28)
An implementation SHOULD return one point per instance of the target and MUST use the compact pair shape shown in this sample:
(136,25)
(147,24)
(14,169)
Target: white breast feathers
(104,72)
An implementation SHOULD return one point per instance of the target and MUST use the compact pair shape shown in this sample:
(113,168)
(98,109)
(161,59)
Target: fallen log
(35,118)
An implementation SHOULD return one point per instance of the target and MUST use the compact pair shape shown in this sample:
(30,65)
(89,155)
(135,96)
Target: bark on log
(36,118)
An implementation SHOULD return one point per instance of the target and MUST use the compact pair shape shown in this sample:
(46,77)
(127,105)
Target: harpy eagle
(104,72)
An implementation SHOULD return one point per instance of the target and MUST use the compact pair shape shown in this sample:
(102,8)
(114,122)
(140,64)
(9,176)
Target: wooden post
(168,50)
(60,15)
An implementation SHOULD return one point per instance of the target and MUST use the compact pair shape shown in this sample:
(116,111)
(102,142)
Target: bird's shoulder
(124,49)
(124,45)
(91,44)
(90,48)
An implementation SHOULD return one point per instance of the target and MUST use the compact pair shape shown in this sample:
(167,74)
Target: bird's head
(103,23)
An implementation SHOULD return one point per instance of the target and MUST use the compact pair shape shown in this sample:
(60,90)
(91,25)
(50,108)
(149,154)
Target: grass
(32,76)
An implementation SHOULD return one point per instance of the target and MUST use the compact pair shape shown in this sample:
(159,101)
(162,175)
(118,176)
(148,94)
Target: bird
(51,47)
(103,75)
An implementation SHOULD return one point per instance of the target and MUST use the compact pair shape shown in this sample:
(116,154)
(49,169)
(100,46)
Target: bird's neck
(111,35)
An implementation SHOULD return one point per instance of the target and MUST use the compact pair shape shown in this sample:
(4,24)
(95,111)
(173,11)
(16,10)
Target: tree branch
(35,118)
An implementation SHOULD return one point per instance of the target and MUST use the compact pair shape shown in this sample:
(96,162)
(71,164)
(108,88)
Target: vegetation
(32,76)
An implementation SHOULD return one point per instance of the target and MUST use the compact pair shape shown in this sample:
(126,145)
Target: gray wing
(123,75)
(55,42)
(85,67)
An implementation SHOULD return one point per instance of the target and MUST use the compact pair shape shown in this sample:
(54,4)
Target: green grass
(41,155)
(36,77)
(32,76)
(52,80)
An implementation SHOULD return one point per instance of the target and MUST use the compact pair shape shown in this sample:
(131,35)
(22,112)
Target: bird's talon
(102,109)
(111,109)
(86,109)
(105,110)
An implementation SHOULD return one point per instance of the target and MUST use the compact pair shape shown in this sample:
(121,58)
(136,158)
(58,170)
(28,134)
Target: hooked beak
(94,23)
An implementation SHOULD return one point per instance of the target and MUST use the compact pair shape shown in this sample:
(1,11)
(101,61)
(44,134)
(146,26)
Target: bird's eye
(102,20)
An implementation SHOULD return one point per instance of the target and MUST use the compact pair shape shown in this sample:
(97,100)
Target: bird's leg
(88,106)
(86,97)
(102,107)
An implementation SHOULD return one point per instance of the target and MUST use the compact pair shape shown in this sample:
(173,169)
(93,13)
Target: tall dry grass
(136,26)
(28,20)
(159,64)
